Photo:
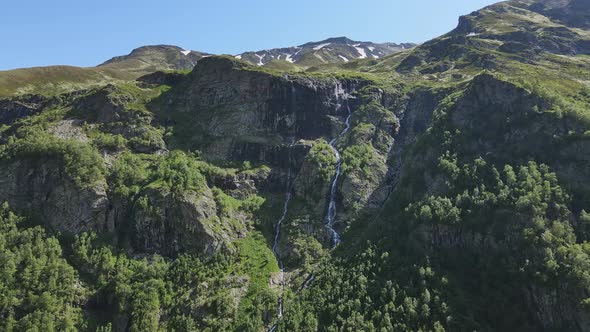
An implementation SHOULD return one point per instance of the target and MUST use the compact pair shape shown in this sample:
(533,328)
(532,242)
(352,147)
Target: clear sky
(86,33)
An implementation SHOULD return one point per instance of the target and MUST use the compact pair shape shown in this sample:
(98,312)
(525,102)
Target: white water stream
(331,215)
(276,242)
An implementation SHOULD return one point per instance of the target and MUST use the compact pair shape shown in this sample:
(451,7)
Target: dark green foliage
(129,174)
(324,159)
(39,290)
(81,162)
(358,157)
(147,139)
(144,288)
(109,142)
(498,237)
(502,235)
(176,172)
(186,293)
(507,230)
(370,292)
(30,140)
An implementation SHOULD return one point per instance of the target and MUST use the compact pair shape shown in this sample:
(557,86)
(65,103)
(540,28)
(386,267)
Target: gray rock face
(231,113)
(503,107)
(41,189)
(161,78)
(103,105)
(167,223)
(69,129)
(556,307)
(527,28)
(511,121)
(20,107)
(170,224)
(162,222)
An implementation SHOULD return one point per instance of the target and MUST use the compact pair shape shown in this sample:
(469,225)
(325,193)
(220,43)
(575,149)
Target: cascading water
(331,215)
(331,206)
(276,241)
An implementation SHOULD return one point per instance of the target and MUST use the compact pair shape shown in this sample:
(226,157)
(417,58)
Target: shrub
(81,162)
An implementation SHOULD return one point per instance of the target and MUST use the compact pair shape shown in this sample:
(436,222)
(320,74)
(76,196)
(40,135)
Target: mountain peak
(333,40)
(160,47)
(156,57)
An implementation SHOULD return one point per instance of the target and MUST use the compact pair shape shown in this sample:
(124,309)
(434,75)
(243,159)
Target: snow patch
(260,57)
(371,48)
(185,52)
(239,57)
(471,34)
(319,47)
(344,58)
(290,57)
(360,50)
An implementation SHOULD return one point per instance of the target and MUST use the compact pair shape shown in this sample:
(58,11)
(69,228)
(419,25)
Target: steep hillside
(485,224)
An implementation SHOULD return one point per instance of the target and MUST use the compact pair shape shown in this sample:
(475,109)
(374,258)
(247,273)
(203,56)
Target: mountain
(332,50)
(154,58)
(445,187)
(148,59)
(53,80)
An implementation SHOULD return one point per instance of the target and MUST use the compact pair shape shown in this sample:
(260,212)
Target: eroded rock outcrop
(23,106)
(231,111)
(168,223)
(42,190)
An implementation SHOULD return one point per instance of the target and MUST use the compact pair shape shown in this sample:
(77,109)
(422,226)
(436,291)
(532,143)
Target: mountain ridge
(151,58)
(330,50)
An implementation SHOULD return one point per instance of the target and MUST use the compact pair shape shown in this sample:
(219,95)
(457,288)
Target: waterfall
(331,214)
(307,281)
(277,237)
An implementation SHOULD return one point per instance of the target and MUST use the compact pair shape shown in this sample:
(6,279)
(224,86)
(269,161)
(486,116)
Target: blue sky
(86,33)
